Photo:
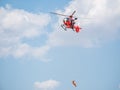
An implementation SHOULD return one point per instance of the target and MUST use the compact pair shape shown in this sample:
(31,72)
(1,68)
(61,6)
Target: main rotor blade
(58,14)
(73,13)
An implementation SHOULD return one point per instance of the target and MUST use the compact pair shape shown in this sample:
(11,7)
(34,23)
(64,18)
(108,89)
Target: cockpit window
(66,19)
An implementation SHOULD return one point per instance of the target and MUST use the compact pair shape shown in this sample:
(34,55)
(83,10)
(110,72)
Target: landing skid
(74,28)
(63,27)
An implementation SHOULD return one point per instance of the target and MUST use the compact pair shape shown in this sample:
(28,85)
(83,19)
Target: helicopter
(69,22)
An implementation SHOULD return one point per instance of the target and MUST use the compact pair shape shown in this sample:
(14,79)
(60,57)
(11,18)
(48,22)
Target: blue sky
(36,54)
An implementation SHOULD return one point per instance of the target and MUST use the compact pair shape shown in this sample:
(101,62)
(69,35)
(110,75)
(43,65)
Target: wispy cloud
(16,25)
(119,86)
(46,85)
(101,26)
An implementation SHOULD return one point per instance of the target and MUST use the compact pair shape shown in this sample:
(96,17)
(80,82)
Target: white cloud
(21,50)
(17,25)
(46,85)
(102,27)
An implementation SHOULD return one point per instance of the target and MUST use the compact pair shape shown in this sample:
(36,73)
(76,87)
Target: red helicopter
(69,22)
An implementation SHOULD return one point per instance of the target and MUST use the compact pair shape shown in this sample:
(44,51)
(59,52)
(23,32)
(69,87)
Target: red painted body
(69,25)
